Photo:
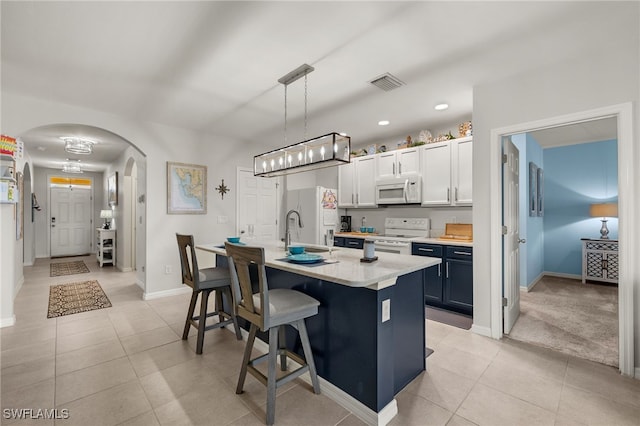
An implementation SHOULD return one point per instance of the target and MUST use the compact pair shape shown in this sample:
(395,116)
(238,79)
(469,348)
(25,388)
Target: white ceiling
(213,66)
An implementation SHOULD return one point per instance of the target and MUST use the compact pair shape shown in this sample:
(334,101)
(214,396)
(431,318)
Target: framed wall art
(533,189)
(186,188)
(112,189)
(540,188)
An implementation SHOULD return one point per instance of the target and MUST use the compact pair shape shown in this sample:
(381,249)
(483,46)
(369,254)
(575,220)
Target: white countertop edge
(348,270)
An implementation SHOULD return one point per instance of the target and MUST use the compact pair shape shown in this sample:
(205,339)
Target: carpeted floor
(571,317)
(68,268)
(72,298)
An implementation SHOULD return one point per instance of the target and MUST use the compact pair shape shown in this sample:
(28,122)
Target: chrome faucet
(287,232)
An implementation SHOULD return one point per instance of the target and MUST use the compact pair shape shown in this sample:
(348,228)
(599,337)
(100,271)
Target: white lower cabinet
(356,183)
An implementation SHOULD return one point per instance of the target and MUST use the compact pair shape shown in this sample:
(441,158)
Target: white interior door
(257,205)
(511,239)
(70,221)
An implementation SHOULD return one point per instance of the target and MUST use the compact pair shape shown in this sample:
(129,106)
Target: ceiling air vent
(387,82)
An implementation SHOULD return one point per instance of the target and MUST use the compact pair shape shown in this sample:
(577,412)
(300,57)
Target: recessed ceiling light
(383,123)
(441,107)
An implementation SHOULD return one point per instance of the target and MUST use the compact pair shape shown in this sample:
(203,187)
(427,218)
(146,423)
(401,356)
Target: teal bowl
(363,229)
(296,249)
(371,230)
(233,239)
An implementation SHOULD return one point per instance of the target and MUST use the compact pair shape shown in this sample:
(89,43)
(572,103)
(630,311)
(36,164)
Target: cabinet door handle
(456,196)
(447,269)
(462,252)
(439,269)
(394,169)
(448,195)
(357,198)
(424,249)
(399,168)
(351,198)
(353,243)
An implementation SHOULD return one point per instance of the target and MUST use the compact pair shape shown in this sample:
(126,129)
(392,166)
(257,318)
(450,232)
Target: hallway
(127,365)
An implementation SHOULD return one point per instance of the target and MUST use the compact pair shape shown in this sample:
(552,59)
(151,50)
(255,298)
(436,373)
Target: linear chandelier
(332,149)
(71,168)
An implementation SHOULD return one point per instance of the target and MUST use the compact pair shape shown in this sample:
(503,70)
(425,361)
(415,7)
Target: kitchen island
(368,337)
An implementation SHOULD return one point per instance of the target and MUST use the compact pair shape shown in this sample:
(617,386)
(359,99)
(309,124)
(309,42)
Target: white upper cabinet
(356,183)
(461,176)
(447,173)
(398,163)
(436,174)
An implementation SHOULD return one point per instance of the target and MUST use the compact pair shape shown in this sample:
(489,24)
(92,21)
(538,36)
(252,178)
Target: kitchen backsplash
(439,216)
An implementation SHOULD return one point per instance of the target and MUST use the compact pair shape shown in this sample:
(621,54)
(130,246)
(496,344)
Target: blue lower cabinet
(450,284)
(338,241)
(354,243)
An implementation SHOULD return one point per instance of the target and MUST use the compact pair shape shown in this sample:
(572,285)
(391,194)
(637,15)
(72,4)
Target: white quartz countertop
(443,242)
(343,266)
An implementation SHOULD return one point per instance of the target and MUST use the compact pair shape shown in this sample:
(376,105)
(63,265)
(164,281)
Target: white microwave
(405,190)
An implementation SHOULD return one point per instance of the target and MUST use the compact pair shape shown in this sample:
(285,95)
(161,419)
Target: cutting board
(458,232)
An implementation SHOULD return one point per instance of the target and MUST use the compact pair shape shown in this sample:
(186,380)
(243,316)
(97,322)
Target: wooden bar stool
(203,282)
(270,310)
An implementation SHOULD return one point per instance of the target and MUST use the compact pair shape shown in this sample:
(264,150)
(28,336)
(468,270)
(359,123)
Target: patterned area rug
(72,298)
(68,268)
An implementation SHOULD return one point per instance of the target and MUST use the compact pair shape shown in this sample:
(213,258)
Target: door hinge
(504,230)
(504,158)
(504,301)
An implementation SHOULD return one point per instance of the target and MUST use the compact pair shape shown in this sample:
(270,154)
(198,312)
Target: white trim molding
(481,330)
(626,219)
(8,322)
(165,293)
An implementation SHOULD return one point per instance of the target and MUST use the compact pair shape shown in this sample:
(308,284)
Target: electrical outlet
(168,269)
(386,310)
(454,219)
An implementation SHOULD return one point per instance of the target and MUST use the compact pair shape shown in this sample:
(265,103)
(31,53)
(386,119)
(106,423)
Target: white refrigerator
(318,208)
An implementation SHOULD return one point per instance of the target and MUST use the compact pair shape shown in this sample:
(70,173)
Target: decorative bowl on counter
(371,230)
(363,229)
(235,240)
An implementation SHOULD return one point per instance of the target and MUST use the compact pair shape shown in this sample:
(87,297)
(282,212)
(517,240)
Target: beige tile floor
(127,365)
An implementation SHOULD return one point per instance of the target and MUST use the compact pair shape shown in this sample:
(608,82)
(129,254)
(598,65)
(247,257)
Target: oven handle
(406,189)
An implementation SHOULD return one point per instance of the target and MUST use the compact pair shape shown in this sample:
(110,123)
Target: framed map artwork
(186,188)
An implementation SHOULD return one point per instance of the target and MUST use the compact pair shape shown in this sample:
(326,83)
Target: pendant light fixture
(76,145)
(332,149)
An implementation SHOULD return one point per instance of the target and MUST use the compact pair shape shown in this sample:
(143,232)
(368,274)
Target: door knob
(522,240)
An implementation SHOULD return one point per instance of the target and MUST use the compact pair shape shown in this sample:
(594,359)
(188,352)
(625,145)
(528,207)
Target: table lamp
(604,210)
(106,215)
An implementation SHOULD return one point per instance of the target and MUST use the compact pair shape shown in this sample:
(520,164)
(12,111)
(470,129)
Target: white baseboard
(7,322)
(562,275)
(481,330)
(637,373)
(124,269)
(18,287)
(165,293)
(140,284)
(532,284)
(336,394)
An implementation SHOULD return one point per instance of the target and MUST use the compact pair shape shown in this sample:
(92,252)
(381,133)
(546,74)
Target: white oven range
(399,233)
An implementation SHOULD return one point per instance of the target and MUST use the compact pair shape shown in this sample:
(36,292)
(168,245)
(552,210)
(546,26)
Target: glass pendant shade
(78,146)
(71,168)
(332,149)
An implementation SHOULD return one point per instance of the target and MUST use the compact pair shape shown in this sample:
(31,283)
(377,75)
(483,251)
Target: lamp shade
(106,214)
(604,210)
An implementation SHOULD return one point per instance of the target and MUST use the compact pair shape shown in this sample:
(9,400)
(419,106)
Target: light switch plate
(386,310)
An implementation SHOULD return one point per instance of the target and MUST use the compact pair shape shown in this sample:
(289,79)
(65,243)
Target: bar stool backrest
(253,309)
(188,261)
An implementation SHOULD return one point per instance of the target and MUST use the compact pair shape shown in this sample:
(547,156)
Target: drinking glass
(250,229)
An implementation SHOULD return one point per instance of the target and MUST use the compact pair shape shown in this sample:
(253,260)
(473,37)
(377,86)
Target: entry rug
(68,268)
(67,299)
